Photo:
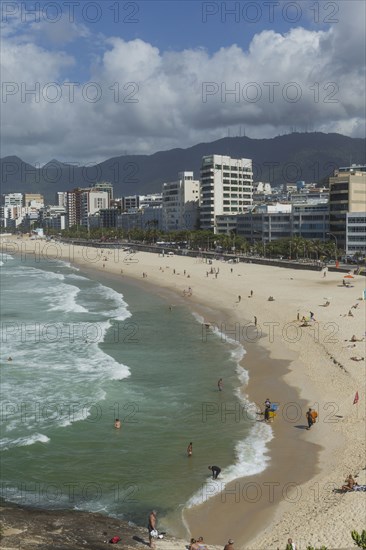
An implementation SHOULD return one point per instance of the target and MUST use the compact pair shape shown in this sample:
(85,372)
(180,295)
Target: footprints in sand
(336,362)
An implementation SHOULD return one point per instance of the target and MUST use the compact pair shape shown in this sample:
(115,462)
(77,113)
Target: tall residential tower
(226,187)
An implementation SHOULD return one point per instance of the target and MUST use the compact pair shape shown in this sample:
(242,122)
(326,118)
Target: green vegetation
(295,248)
(359,539)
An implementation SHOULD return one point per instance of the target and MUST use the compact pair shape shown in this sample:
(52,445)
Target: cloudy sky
(83,81)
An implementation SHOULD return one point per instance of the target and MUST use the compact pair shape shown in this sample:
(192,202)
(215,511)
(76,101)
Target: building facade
(12,199)
(84,202)
(181,203)
(347,195)
(91,202)
(33,199)
(226,187)
(356,233)
(272,222)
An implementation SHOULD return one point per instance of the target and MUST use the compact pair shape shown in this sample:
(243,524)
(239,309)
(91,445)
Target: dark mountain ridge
(298,156)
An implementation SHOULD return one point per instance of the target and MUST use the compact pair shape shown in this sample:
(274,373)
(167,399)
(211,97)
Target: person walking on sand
(220,384)
(239,298)
(290,545)
(255,321)
(266,413)
(314,415)
(215,471)
(229,545)
(152,527)
(190,449)
(309,419)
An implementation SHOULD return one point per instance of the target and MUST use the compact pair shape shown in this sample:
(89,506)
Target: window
(342,186)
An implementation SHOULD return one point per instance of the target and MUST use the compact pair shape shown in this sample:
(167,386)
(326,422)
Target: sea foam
(6,443)
(251,453)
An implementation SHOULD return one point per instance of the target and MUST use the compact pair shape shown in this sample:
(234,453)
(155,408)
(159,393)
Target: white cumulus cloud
(140,100)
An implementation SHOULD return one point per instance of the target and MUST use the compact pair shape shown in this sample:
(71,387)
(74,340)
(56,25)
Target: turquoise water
(85,352)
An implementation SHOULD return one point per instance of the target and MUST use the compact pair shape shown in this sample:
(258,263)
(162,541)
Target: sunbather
(354,339)
(350,483)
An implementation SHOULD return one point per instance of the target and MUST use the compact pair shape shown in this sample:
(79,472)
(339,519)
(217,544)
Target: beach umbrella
(348,277)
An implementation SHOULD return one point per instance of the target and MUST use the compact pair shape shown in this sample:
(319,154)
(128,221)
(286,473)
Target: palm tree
(297,245)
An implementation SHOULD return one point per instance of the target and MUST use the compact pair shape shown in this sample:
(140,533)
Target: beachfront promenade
(307,264)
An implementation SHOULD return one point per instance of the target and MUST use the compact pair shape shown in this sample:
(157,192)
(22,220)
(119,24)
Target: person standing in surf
(152,527)
(215,471)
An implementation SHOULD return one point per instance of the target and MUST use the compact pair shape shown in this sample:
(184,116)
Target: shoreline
(299,382)
(239,497)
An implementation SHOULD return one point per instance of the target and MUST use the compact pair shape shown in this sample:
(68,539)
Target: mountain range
(298,156)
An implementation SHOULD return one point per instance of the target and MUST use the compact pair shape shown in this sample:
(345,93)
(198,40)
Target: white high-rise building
(61,198)
(181,203)
(226,187)
(91,203)
(13,199)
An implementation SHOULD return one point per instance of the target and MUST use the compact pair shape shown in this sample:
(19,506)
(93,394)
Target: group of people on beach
(195,544)
(199,544)
(214,469)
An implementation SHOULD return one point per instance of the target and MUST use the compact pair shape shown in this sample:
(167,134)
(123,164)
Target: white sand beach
(326,370)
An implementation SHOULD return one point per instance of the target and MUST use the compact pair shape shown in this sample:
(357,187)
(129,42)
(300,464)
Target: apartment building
(12,199)
(267,223)
(347,195)
(33,199)
(91,202)
(356,233)
(226,187)
(82,202)
(181,203)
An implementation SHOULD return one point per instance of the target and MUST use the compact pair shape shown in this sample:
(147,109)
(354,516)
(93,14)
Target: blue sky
(153,75)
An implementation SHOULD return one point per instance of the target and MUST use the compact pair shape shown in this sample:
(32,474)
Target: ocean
(78,351)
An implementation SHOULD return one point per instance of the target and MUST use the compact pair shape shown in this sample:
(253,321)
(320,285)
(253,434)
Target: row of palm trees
(291,248)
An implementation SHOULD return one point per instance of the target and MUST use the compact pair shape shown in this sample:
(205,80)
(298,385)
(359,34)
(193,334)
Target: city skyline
(88,81)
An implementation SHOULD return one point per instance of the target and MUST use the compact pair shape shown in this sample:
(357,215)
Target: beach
(297,366)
